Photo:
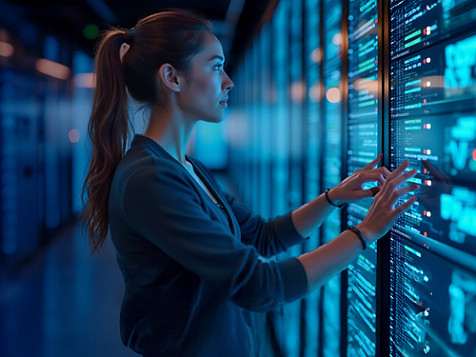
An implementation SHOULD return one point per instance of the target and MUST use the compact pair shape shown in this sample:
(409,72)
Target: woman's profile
(193,259)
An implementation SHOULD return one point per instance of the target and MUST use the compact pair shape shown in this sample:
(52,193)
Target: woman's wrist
(332,196)
(360,235)
(370,238)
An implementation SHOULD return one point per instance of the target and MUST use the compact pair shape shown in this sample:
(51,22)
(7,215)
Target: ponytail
(130,60)
(108,131)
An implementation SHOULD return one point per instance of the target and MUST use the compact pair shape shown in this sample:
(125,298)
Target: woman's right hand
(382,212)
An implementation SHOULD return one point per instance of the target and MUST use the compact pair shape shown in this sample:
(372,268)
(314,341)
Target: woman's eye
(217,67)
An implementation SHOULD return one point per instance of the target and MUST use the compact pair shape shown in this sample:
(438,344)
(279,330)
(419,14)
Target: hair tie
(124,48)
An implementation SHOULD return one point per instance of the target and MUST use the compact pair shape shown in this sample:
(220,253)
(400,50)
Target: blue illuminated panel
(420,23)
(296,100)
(312,131)
(433,125)
(265,116)
(20,173)
(433,305)
(312,156)
(362,137)
(441,147)
(286,143)
(439,79)
(331,173)
(291,313)
(281,114)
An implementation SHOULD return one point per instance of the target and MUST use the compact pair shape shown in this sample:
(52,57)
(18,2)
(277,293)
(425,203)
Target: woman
(191,257)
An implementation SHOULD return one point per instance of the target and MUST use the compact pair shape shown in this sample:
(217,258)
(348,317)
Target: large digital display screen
(362,138)
(433,125)
(331,172)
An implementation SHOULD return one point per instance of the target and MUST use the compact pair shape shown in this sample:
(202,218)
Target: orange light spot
(6,49)
(73,136)
(53,69)
(333,95)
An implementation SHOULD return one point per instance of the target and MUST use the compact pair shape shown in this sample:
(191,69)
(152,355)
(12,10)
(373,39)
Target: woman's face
(205,93)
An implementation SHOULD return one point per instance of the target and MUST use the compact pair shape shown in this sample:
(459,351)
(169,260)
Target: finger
(399,169)
(404,190)
(398,180)
(374,190)
(384,171)
(373,163)
(371,192)
(372,175)
(404,206)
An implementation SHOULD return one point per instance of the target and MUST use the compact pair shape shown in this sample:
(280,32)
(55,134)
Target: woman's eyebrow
(217,57)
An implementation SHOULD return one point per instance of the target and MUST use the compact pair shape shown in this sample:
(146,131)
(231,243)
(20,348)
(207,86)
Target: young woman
(193,259)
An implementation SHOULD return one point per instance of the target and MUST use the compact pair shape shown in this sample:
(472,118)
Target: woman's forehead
(211,49)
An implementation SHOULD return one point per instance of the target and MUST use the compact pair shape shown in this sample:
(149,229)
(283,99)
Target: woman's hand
(351,189)
(382,212)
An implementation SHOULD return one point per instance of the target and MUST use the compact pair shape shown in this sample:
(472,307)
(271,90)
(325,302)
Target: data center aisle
(64,303)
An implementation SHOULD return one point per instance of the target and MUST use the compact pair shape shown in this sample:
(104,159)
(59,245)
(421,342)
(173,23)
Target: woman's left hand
(351,189)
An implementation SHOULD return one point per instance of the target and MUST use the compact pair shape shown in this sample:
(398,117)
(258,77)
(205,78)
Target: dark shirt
(192,270)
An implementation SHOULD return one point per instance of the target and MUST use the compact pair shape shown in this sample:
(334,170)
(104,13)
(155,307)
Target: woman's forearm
(330,258)
(310,216)
(327,260)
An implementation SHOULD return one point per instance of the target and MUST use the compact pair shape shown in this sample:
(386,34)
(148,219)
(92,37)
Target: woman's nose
(228,83)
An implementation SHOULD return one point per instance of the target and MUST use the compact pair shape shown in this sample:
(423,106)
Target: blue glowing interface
(433,125)
(433,305)
(438,79)
(420,23)
(311,70)
(332,152)
(362,138)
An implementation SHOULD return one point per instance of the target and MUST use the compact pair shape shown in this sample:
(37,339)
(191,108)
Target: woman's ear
(168,76)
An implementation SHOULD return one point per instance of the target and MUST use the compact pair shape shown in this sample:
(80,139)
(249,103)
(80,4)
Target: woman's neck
(170,131)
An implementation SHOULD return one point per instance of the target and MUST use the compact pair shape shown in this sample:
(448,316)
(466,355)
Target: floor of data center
(63,303)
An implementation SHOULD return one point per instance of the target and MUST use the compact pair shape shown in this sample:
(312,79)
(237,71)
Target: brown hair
(167,37)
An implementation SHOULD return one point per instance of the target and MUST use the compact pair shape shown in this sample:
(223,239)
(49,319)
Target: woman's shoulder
(146,163)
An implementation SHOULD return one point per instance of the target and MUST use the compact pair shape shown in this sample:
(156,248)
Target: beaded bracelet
(329,200)
(360,235)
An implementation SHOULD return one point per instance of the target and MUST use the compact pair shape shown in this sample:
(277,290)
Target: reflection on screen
(433,309)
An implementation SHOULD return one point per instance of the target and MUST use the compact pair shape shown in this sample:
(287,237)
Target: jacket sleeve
(160,205)
(270,237)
